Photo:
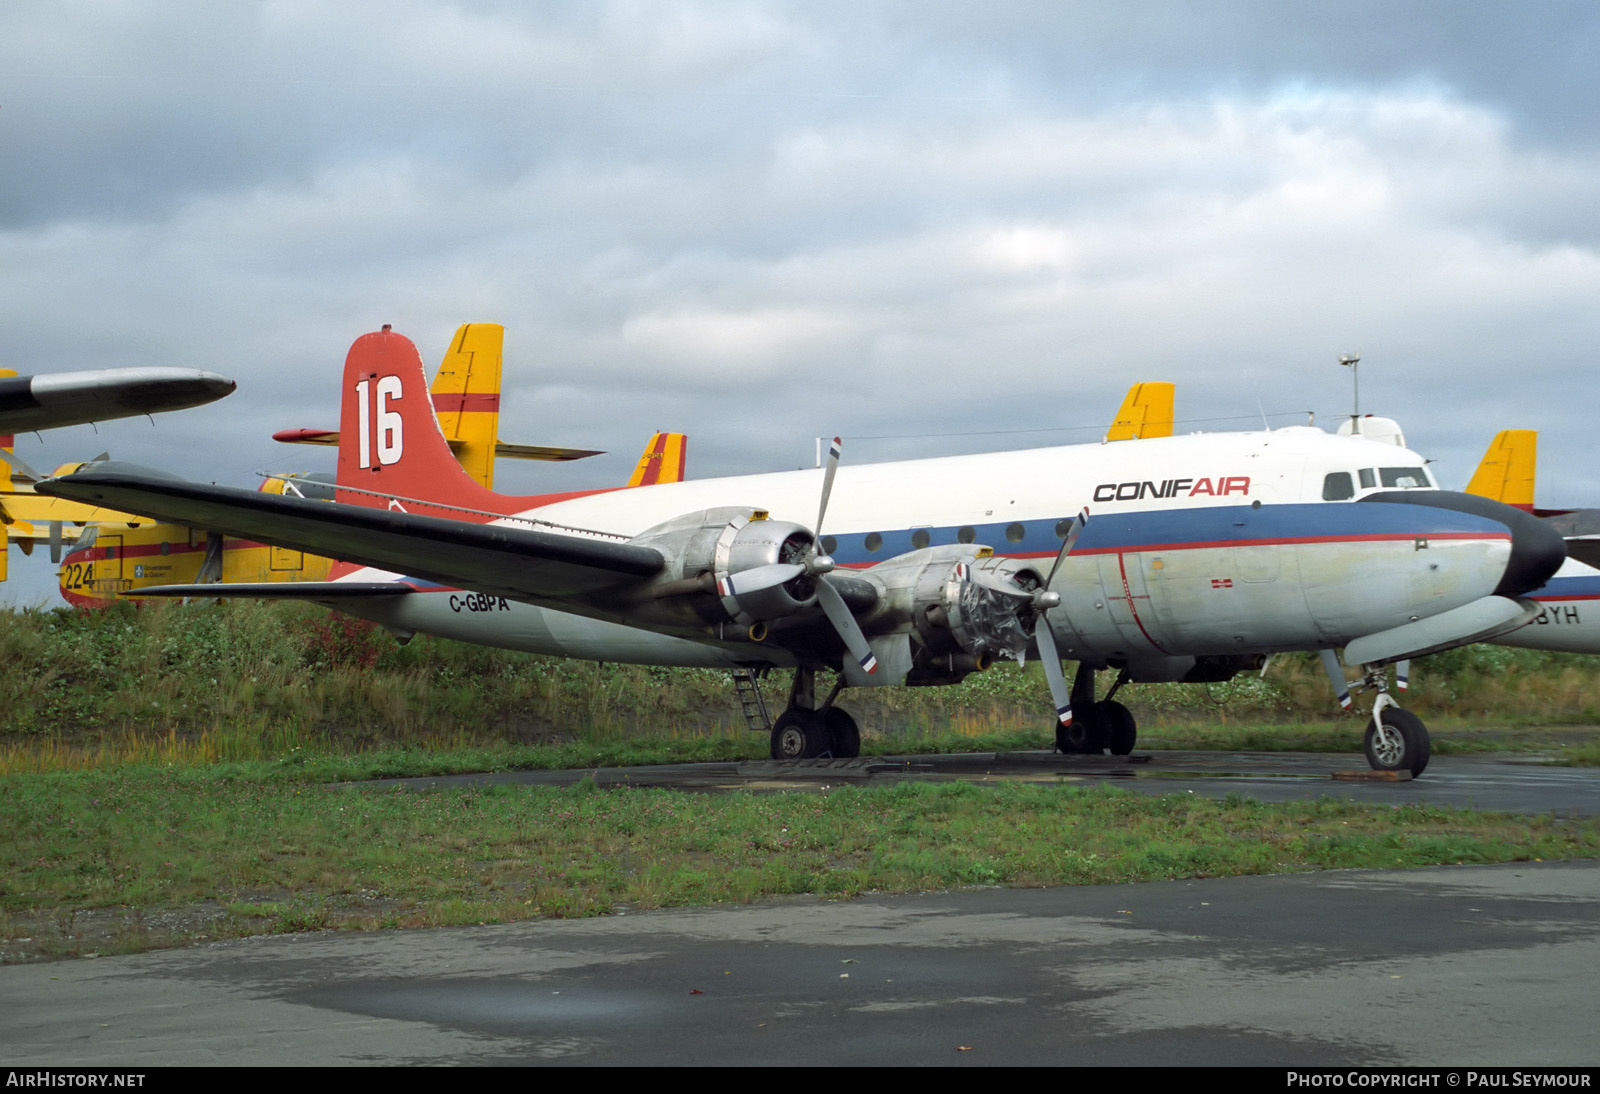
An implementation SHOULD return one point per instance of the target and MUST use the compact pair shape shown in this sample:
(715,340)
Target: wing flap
(511,561)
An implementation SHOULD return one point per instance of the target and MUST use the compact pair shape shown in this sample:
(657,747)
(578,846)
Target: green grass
(239,681)
(175,772)
(100,860)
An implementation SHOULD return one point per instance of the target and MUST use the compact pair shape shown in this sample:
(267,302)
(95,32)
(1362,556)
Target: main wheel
(846,734)
(1086,734)
(1121,730)
(1399,744)
(801,735)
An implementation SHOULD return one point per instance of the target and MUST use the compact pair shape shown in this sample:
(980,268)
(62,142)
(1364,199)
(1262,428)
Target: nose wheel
(1396,739)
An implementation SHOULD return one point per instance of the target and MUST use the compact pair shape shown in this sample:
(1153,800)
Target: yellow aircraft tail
(663,460)
(5,487)
(466,397)
(1507,470)
(1146,412)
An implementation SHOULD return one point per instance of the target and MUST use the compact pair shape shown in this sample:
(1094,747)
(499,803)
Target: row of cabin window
(922,537)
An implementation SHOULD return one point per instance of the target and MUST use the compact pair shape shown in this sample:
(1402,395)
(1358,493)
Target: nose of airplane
(1537,550)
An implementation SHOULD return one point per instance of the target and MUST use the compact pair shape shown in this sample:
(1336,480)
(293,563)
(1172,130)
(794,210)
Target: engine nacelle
(943,595)
(976,618)
(707,552)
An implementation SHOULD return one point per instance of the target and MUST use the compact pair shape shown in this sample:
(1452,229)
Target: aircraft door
(282,559)
(109,578)
(1127,601)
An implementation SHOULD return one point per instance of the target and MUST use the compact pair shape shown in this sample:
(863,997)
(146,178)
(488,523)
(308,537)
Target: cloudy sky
(929,226)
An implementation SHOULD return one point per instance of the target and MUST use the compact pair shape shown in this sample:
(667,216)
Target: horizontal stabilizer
(510,560)
(543,452)
(1478,621)
(330,439)
(283,590)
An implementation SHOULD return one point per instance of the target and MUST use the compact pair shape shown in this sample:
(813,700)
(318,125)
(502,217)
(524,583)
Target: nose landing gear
(1396,739)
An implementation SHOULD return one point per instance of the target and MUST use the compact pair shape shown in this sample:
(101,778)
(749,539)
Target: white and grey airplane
(1189,558)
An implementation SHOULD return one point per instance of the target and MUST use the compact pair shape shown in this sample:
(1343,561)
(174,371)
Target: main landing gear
(1097,726)
(806,731)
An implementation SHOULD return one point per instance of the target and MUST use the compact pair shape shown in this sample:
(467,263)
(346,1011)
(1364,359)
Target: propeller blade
(20,471)
(839,614)
(1060,693)
(1402,674)
(55,543)
(1073,533)
(1335,671)
(827,481)
(759,578)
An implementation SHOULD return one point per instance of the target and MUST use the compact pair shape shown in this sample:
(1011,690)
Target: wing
(512,561)
(76,398)
(322,592)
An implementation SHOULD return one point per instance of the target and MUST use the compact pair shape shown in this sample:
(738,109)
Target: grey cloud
(923,224)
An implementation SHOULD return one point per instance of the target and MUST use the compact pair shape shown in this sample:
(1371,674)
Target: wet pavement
(1452,966)
(1488,965)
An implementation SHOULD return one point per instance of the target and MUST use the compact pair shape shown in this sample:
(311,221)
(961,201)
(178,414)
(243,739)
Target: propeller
(844,622)
(813,564)
(1045,638)
(1335,671)
(1043,599)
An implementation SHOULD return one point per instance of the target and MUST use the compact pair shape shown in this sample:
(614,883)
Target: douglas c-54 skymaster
(1202,554)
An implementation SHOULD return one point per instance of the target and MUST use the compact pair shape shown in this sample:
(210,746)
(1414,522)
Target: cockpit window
(1338,486)
(1369,478)
(1404,478)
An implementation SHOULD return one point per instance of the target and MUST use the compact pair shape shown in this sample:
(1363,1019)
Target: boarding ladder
(746,682)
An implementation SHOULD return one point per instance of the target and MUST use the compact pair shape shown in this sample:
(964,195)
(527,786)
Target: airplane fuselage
(1207,545)
(1569,620)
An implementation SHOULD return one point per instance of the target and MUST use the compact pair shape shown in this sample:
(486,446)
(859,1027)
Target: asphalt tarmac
(1450,966)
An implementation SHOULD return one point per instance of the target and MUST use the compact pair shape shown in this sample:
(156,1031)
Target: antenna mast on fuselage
(1352,360)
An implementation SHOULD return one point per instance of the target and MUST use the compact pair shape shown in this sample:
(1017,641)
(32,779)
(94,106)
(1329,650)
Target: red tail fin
(392,454)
